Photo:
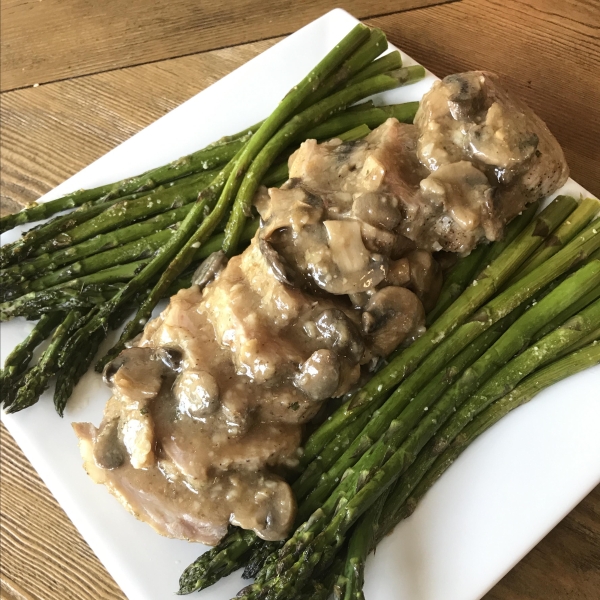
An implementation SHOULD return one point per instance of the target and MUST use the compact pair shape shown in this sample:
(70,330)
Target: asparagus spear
(21,271)
(182,192)
(360,543)
(580,218)
(70,374)
(418,479)
(35,380)
(15,252)
(100,286)
(544,351)
(406,406)
(117,274)
(277,143)
(202,160)
(52,235)
(126,212)
(360,60)
(384,64)
(313,115)
(16,362)
(291,102)
(58,299)
(372,117)
(137,250)
(568,313)
(101,243)
(259,551)
(465,305)
(463,272)
(386,460)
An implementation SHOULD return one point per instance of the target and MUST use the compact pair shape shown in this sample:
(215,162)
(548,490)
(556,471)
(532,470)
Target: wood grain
(42,552)
(51,132)
(548,51)
(57,39)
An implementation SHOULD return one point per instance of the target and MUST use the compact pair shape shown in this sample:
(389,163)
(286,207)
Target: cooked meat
(489,156)
(195,511)
(351,198)
(208,406)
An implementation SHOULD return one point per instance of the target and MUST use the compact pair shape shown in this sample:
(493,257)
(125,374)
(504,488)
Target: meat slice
(161,497)
(489,156)
(349,199)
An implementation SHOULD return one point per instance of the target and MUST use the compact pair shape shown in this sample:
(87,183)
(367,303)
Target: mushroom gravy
(209,404)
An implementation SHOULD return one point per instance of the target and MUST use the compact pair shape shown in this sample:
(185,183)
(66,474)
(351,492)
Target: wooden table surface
(78,77)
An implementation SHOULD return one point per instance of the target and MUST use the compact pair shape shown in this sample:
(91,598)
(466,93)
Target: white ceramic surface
(501,497)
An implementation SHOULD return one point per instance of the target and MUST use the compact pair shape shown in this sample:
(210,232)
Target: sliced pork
(208,406)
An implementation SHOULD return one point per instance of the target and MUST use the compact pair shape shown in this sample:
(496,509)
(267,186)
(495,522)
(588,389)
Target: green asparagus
(464,271)
(464,306)
(580,218)
(202,160)
(36,379)
(409,490)
(385,461)
(17,361)
(256,172)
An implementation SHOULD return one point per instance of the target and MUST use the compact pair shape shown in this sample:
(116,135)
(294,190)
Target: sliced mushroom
(351,267)
(377,240)
(270,512)
(378,210)
(197,393)
(277,264)
(319,375)
(392,314)
(171,357)
(398,272)
(402,246)
(340,334)
(209,269)
(359,299)
(465,94)
(293,207)
(109,452)
(136,373)
(426,277)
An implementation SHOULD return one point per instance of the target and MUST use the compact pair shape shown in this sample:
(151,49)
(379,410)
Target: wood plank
(51,132)
(565,564)
(58,39)
(43,557)
(9,590)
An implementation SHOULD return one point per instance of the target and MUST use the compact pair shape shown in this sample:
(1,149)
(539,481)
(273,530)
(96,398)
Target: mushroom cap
(391,315)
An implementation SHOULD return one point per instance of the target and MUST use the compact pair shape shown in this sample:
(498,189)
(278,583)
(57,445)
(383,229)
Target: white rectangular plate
(504,494)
